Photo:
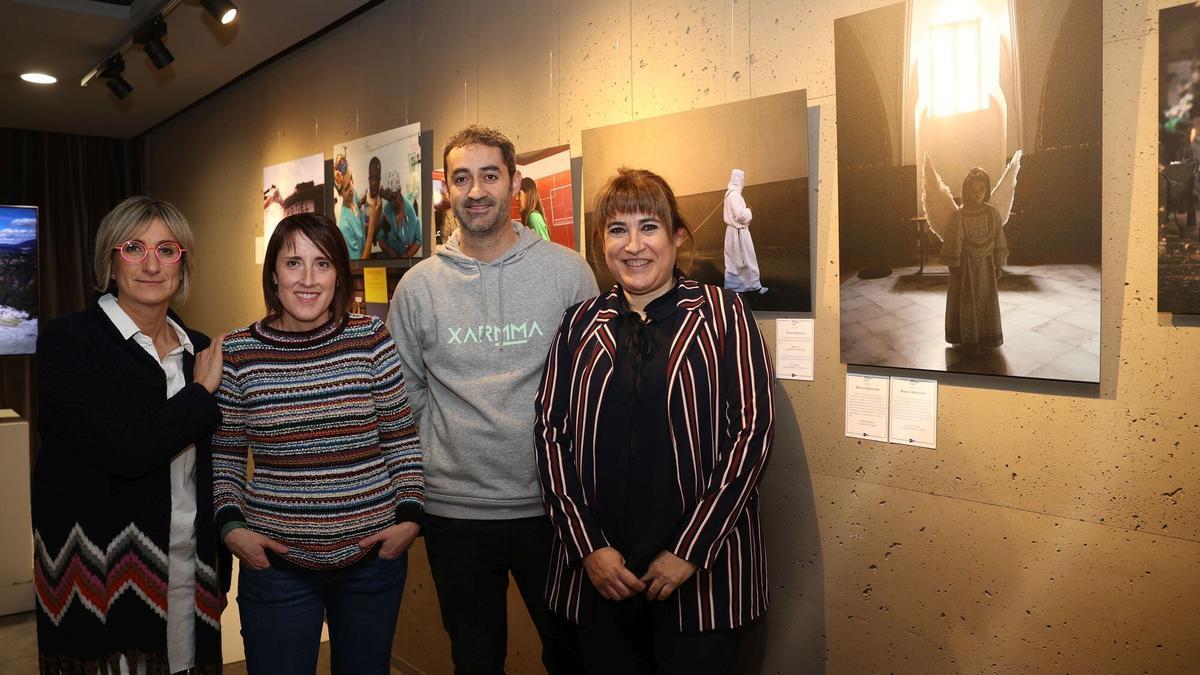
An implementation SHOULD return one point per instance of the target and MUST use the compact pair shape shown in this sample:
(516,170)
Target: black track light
(150,36)
(112,76)
(222,10)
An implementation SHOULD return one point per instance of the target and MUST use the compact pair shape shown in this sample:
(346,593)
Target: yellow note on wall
(375,284)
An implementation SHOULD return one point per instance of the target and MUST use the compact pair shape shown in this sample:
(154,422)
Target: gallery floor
(1050,316)
(18,634)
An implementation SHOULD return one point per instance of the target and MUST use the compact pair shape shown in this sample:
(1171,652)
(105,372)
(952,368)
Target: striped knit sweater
(325,417)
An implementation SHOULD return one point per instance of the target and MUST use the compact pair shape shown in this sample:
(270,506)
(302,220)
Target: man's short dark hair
(477,134)
(374,163)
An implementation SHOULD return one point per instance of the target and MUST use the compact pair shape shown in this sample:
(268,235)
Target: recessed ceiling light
(39,78)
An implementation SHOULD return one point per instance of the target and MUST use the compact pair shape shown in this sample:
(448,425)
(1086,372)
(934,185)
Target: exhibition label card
(867,406)
(375,284)
(913,412)
(794,349)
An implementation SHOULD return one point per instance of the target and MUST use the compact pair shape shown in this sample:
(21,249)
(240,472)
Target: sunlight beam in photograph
(957,81)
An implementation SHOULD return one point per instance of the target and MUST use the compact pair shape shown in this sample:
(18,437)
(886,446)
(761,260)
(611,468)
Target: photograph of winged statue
(973,248)
(969,164)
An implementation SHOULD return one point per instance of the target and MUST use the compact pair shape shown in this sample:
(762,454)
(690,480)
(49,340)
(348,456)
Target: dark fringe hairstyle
(322,232)
(635,191)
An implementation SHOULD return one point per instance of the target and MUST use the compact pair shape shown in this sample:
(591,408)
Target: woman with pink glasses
(125,556)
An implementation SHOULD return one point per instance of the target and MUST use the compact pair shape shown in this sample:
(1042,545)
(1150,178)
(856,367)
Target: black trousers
(639,637)
(470,561)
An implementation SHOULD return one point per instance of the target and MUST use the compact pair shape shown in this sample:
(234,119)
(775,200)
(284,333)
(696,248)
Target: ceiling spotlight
(39,78)
(112,76)
(222,10)
(150,36)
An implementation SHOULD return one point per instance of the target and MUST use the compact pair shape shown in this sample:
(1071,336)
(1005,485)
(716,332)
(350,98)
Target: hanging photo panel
(377,194)
(545,202)
(740,173)
(292,187)
(969,187)
(1178,159)
(18,279)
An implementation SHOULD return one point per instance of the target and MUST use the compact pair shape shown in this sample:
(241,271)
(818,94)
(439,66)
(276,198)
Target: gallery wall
(1056,527)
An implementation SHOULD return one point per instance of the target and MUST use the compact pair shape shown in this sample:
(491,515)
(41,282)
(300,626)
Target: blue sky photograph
(17,224)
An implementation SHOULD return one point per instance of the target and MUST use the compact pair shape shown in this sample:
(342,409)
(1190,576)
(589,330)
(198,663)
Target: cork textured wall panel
(1055,528)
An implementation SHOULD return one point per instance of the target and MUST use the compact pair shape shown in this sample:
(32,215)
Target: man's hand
(606,569)
(251,547)
(667,573)
(396,540)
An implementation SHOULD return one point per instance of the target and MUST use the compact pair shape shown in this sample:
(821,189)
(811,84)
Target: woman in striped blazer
(654,420)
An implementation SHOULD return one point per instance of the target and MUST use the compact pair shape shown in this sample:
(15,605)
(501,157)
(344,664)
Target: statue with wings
(974,249)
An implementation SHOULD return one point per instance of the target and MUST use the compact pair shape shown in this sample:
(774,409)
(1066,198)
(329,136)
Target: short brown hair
(477,134)
(122,224)
(321,231)
(635,191)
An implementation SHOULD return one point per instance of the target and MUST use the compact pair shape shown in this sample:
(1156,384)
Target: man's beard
(465,219)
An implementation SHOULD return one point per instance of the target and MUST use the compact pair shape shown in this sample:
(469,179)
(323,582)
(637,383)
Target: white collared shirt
(181,561)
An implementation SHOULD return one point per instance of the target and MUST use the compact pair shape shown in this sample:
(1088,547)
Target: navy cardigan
(102,499)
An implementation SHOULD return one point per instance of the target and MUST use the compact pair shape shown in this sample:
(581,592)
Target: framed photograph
(18,280)
(377,194)
(444,223)
(292,187)
(969,187)
(743,192)
(1178,159)
(545,202)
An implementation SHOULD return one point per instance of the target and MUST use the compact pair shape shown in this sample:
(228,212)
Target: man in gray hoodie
(473,324)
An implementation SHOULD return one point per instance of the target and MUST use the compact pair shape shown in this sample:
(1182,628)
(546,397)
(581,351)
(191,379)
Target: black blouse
(637,497)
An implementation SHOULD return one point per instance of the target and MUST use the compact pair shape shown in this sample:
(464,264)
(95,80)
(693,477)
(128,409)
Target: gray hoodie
(473,339)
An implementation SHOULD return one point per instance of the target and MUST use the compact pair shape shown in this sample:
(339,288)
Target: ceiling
(67,38)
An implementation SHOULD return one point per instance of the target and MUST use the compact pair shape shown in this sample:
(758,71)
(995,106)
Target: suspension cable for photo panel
(710,213)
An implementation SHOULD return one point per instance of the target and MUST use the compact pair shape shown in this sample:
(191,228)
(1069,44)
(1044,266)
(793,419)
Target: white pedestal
(16,529)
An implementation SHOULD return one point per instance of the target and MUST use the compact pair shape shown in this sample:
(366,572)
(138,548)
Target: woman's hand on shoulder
(251,547)
(394,540)
(666,574)
(606,569)
(207,371)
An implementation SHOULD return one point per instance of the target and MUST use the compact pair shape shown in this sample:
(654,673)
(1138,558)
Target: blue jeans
(282,610)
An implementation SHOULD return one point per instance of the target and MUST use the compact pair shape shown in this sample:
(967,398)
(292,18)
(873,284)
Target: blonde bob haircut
(635,191)
(125,222)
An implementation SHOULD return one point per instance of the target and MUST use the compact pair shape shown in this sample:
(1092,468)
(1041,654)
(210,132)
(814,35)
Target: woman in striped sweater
(323,523)
(654,419)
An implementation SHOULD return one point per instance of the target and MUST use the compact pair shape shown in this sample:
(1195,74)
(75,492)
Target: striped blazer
(721,414)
